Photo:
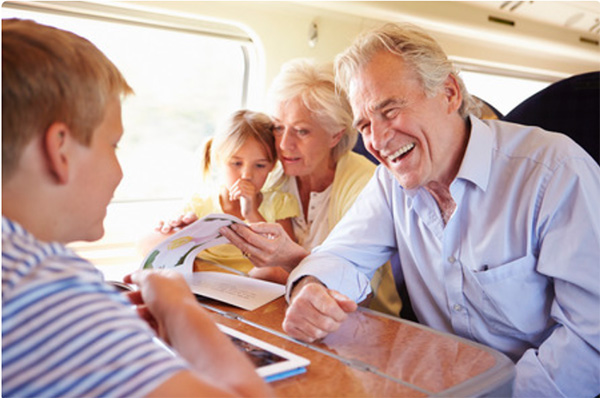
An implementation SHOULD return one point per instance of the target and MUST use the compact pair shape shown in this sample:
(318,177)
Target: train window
(502,92)
(185,81)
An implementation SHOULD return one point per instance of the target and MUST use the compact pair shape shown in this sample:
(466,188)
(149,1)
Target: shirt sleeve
(358,245)
(68,335)
(569,231)
(200,205)
(285,206)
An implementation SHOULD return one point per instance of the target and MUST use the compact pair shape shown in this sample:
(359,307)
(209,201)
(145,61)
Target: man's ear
(56,145)
(452,93)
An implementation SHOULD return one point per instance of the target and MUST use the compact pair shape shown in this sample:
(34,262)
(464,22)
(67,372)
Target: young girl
(241,156)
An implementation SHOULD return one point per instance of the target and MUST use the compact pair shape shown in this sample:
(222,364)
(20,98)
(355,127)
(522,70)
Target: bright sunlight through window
(502,92)
(185,84)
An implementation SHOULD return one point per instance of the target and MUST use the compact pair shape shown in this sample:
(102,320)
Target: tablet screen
(272,363)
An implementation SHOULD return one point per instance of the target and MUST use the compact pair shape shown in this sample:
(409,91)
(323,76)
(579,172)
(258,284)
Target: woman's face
(303,145)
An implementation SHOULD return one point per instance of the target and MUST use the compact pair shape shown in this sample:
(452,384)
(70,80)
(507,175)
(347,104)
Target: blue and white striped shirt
(67,333)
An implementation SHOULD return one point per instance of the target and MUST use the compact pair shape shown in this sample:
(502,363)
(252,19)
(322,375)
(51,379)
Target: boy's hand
(159,293)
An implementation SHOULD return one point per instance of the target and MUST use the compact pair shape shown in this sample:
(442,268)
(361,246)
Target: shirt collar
(10,227)
(477,162)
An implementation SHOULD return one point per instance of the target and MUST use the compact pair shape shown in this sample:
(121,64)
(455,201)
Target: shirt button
(457,307)
(451,259)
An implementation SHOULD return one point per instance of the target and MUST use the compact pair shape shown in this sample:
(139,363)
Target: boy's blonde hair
(416,48)
(50,75)
(314,85)
(241,126)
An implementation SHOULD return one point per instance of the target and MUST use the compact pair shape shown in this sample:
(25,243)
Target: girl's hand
(248,195)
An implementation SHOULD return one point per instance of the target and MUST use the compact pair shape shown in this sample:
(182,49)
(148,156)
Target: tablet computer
(272,363)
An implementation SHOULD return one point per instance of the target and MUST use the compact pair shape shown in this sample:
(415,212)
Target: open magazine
(179,251)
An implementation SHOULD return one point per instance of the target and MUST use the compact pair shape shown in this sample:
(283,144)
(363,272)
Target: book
(179,252)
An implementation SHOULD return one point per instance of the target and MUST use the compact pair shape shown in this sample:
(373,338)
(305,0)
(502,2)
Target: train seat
(570,106)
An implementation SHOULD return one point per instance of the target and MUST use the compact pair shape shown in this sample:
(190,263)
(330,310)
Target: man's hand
(315,311)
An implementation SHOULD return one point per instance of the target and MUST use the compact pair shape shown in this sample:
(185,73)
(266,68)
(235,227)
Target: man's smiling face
(406,130)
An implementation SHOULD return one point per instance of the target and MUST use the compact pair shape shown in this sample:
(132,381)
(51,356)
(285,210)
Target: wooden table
(375,355)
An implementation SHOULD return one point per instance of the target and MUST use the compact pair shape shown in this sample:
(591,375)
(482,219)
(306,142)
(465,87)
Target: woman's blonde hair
(416,48)
(314,85)
(239,127)
(51,75)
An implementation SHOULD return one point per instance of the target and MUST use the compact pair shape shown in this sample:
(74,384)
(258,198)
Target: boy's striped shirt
(67,333)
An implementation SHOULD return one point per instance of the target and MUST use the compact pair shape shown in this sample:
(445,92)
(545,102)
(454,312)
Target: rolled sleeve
(333,272)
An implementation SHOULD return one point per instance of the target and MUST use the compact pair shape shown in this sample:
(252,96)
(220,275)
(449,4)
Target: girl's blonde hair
(241,126)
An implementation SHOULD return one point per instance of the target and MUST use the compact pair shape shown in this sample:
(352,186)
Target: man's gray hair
(418,49)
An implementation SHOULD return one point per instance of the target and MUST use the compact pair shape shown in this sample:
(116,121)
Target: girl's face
(251,162)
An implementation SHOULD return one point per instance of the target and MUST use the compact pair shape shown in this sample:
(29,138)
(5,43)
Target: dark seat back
(570,106)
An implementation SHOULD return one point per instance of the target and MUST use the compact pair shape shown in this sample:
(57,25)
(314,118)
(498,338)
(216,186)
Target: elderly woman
(313,137)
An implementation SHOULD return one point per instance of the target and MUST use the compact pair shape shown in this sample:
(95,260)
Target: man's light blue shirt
(517,266)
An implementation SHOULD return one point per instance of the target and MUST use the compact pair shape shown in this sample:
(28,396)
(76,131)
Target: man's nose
(380,135)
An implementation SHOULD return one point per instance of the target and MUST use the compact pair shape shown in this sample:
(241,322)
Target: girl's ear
(56,143)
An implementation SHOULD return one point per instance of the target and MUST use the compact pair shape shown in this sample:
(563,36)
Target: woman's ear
(56,143)
(335,139)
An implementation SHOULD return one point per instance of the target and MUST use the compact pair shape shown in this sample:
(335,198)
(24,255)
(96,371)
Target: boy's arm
(218,367)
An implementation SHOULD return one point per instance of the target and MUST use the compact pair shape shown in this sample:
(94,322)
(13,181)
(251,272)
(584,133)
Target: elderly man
(496,225)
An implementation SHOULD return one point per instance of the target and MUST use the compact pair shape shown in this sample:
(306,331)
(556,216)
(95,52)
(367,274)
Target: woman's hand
(265,245)
(181,221)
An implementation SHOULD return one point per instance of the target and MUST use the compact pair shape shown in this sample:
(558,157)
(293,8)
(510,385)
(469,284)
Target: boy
(64,331)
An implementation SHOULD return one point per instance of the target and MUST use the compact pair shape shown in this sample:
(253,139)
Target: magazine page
(180,249)
(241,291)
(179,252)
